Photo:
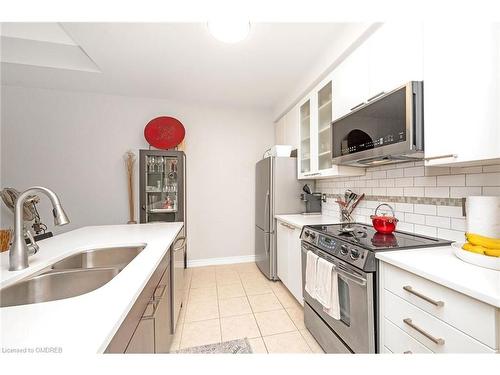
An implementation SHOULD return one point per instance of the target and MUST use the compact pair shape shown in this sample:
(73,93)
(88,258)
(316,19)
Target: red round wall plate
(164,132)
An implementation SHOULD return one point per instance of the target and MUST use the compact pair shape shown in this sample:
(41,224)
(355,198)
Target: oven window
(379,124)
(344,301)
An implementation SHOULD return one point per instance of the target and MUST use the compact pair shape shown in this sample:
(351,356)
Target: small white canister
(483,216)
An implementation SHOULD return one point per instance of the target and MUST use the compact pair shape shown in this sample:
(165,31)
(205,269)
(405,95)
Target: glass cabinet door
(305,137)
(161,186)
(324,129)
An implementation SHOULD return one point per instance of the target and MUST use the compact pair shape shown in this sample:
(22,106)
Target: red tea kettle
(383,223)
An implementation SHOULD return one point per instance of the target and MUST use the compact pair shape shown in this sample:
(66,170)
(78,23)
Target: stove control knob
(354,254)
(306,233)
(313,236)
(344,250)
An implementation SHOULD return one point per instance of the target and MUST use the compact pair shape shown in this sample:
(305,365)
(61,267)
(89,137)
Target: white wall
(74,143)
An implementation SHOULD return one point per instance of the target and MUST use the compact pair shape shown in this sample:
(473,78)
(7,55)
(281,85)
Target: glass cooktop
(367,237)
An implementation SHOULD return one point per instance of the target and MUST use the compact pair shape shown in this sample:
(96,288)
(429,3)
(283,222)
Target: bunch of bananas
(482,245)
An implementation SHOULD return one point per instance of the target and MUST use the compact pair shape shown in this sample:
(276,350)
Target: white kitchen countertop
(440,265)
(86,323)
(299,220)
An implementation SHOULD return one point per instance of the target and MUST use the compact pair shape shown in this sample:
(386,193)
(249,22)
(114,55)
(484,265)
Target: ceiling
(177,61)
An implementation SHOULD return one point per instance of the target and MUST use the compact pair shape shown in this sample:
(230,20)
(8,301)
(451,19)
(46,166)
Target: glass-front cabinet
(162,185)
(315,148)
(305,137)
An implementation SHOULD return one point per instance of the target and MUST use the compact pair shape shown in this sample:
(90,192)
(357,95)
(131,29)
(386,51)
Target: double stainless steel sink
(70,277)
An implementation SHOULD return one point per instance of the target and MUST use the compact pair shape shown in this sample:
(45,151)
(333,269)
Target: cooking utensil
(383,223)
(355,204)
(307,189)
(164,132)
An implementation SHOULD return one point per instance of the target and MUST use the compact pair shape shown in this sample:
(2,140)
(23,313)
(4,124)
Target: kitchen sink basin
(55,285)
(116,257)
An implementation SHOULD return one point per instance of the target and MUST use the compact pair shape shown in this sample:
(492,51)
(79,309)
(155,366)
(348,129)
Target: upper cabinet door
(350,82)
(461,98)
(324,105)
(305,149)
(395,56)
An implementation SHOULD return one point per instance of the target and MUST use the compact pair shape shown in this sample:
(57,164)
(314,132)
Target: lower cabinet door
(282,236)
(163,332)
(295,265)
(143,340)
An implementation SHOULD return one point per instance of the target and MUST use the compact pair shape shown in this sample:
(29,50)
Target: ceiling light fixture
(229,31)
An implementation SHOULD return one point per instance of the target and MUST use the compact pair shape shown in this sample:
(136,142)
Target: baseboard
(218,261)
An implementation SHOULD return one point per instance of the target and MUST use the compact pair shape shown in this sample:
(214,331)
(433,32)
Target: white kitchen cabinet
(395,56)
(289,263)
(315,117)
(417,315)
(350,82)
(461,92)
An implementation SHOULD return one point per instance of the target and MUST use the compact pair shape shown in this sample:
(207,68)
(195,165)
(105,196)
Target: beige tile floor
(235,301)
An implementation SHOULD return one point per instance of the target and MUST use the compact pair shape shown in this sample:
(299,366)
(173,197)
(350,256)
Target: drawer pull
(409,289)
(437,341)
(408,352)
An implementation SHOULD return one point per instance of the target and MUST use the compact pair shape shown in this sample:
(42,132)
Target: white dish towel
(311,263)
(324,271)
(334,309)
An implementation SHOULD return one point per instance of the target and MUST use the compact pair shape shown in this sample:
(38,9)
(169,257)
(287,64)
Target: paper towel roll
(483,216)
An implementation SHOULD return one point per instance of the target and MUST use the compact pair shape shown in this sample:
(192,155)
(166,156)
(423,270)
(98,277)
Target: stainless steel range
(352,254)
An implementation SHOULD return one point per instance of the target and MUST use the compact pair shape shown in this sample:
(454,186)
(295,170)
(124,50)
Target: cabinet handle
(376,96)
(183,239)
(155,297)
(454,156)
(437,341)
(312,174)
(409,289)
(357,106)
(287,225)
(408,352)
(148,317)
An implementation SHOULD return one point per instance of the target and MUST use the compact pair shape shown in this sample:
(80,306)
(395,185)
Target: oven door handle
(358,280)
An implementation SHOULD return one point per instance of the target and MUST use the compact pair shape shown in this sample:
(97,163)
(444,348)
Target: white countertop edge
(300,220)
(394,258)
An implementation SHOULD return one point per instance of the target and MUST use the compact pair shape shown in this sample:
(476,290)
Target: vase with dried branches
(129,158)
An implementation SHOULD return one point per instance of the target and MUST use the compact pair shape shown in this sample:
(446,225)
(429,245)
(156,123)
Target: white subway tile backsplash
(458,224)
(414,218)
(426,230)
(437,192)
(450,211)
(438,221)
(406,227)
(452,235)
(414,171)
(425,181)
(388,182)
(414,191)
(405,207)
(483,179)
(451,180)
(379,191)
(491,190)
(394,173)
(396,192)
(425,209)
(379,174)
(407,181)
(491,168)
(403,182)
(464,191)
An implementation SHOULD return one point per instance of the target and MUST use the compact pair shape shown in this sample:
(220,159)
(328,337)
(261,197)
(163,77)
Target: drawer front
(433,333)
(467,314)
(400,342)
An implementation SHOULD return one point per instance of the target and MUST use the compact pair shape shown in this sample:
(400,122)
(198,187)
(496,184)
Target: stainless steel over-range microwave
(388,128)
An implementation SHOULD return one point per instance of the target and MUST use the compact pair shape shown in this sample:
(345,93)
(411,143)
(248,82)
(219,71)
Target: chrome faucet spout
(18,254)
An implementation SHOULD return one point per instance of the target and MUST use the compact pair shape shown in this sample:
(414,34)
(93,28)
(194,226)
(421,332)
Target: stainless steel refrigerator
(277,191)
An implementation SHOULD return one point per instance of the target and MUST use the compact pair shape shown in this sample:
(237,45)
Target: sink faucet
(18,254)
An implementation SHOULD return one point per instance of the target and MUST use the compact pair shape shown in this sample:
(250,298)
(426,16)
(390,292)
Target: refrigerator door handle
(267,221)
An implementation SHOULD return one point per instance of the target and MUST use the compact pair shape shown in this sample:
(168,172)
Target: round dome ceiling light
(229,31)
